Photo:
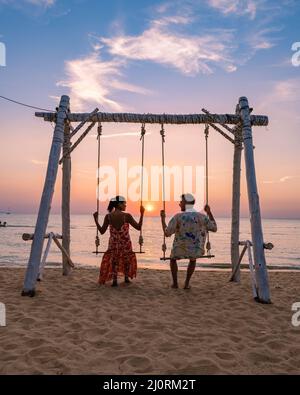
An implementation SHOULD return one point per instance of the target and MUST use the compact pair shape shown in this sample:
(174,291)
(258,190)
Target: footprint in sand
(27,321)
(44,351)
(202,366)
(226,356)
(135,364)
(165,347)
(262,358)
(35,342)
(277,345)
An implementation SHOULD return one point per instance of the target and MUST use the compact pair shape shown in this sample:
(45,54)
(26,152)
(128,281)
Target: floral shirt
(190,228)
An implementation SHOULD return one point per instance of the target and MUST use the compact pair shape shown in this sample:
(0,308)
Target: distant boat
(3,225)
(7,212)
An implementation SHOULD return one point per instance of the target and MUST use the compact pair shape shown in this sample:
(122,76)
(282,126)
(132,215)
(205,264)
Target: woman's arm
(132,221)
(102,229)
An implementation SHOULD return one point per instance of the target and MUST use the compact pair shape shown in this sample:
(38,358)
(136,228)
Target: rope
(24,104)
(162,133)
(142,139)
(206,132)
(97,239)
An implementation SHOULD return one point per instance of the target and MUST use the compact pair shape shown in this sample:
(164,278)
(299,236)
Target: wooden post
(64,252)
(46,200)
(46,252)
(235,215)
(261,272)
(66,190)
(237,267)
(252,274)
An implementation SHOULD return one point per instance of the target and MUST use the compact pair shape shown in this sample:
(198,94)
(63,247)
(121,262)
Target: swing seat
(167,258)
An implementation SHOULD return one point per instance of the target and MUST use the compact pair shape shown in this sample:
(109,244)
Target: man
(190,228)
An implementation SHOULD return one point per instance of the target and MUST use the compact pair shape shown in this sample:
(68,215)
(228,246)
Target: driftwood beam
(83,122)
(67,153)
(236,268)
(64,252)
(235,210)
(267,246)
(30,236)
(224,125)
(66,199)
(261,271)
(43,261)
(46,200)
(229,119)
(221,132)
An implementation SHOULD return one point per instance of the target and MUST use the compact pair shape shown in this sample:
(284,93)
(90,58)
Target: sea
(14,252)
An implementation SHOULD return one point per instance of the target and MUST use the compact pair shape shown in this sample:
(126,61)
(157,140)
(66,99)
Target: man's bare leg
(174,270)
(189,273)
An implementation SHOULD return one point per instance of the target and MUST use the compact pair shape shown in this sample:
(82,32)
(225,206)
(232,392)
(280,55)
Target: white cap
(120,199)
(189,198)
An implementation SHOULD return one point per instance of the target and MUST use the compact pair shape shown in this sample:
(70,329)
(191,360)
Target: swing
(164,246)
(142,139)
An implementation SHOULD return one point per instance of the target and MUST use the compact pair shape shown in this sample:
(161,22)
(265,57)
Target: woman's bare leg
(174,270)
(189,273)
(127,281)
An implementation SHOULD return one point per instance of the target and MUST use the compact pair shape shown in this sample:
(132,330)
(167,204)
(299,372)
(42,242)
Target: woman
(119,258)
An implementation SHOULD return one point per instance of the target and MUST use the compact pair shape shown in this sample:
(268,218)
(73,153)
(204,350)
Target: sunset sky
(151,56)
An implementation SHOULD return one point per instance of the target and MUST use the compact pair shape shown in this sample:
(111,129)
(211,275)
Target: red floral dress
(120,254)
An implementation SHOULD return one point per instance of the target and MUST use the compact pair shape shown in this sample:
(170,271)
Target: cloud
(281,180)
(92,80)
(285,91)
(43,3)
(39,3)
(38,162)
(262,39)
(174,39)
(237,7)
(160,43)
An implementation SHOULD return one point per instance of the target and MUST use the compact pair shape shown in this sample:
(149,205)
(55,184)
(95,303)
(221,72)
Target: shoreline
(200,267)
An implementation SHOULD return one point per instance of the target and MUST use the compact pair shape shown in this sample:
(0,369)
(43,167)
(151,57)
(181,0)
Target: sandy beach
(74,326)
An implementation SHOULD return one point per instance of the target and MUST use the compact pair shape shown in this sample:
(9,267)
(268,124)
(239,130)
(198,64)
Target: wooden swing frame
(240,135)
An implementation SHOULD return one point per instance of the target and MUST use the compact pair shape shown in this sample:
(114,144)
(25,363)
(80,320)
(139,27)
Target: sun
(149,207)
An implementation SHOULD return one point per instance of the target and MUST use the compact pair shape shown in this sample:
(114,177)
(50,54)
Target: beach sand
(73,326)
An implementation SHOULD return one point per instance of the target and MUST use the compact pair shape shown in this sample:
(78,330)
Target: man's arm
(170,229)
(211,225)
(163,222)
